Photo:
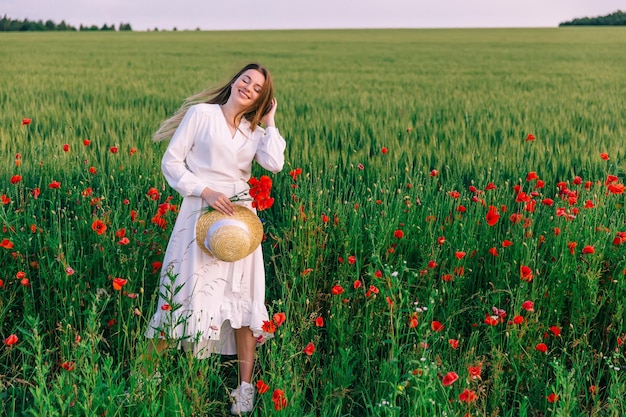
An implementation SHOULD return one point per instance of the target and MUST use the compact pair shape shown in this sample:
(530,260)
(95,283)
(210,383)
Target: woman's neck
(231,113)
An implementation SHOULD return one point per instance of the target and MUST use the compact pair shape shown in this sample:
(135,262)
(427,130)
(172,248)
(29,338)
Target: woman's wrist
(206,193)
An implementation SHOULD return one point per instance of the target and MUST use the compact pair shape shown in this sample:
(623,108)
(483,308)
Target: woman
(214,138)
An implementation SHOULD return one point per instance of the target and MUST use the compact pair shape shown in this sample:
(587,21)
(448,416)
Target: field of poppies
(448,236)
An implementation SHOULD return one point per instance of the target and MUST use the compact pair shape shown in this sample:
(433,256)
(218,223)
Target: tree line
(617,18)
(15,25)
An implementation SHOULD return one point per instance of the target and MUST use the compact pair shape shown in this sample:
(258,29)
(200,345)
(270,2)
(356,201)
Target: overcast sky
(309,14)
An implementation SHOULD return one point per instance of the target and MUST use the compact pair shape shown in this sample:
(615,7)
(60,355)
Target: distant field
(409,142)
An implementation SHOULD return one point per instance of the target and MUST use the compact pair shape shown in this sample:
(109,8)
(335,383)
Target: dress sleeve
(173,164)
(271,152)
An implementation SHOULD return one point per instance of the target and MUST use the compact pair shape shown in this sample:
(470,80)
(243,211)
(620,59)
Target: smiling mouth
(241,93)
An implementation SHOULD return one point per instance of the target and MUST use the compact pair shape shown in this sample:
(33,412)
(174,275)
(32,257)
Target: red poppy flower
(153,193)
(113,149)
(467,396)
(493,251)
(262,387)
(528,306)
(556,330)
(15,179)
(592,390)
(5,200)
(35,193)
(491,320)
(279,400)
(68,366)
(132,151)
(7,244)
(604,156)
(166,307)
(526,274)
(492,216)
(66,148)
(357,284)
(99,227)
(294,173)
(309,349)
(124,241)
(434,173)
(319,322)
(552,398)
(454,344)
(531,176)
(530,137)
(450,378)
(378,274)
(372,290)
(436,326)
(616,188)
(279,318)
(86,142)
(156,266)
(54,184)
(11,340)
(441,240)
(351,260)
(118,283)
(384,150)
(268,326)
(413,321)
(337,289)
(541,347)
(325,218)
(588,249)
(474,371)
(398,234)
(518,319)
(459,254)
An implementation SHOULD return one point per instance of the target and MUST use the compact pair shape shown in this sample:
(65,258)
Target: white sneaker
(243,399)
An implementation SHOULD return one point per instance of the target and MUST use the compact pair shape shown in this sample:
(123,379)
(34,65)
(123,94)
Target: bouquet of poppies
(259,193)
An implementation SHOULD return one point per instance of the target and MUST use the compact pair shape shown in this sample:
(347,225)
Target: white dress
(214,297)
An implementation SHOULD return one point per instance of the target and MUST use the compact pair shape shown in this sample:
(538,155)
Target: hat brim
(229,247)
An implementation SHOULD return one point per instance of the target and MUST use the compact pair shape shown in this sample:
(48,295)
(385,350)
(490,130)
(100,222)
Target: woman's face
(247,88)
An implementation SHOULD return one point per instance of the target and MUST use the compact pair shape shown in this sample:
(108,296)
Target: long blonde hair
(220,95)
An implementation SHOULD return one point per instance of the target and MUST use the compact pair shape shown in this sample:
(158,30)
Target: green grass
(461,102)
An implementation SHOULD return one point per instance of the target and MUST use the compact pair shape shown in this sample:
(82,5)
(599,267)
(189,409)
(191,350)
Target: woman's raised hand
(268,119)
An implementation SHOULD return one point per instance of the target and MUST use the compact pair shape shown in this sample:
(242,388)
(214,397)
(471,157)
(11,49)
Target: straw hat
(229,238)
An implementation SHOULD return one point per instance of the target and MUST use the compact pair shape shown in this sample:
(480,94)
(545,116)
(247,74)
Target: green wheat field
(448,237)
